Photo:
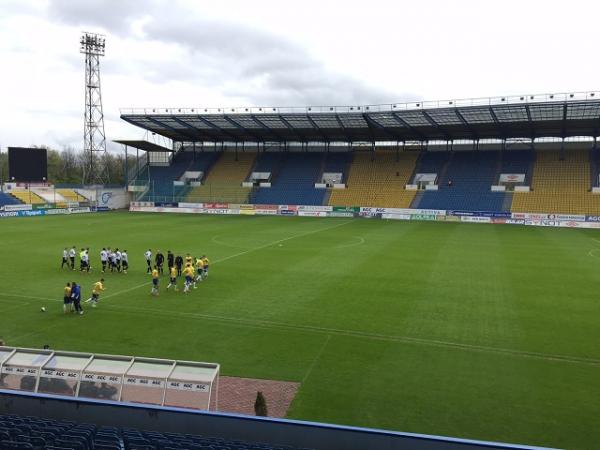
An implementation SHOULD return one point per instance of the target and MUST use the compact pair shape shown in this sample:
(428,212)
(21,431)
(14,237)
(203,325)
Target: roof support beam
(214,127)
(373,124)
(564,121)
(404,123)
(319,130)
(497,123)
(528,111)
(436,125)
(246,130)
(292,129)
(175,130)
(467,125)
(267,129)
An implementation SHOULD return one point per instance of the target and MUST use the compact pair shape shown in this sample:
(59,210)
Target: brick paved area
(237,395)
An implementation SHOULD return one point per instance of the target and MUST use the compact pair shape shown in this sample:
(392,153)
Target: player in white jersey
(103,259)
(118,259)
(113,260)
(125,261)
(148,256)
(72,254)
(85,260)
(65,259)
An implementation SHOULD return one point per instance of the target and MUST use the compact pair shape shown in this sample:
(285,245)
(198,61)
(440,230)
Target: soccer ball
(43,309)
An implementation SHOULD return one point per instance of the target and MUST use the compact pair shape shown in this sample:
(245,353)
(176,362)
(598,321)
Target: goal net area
(184,384)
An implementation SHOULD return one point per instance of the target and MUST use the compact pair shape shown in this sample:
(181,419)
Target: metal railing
(415,105)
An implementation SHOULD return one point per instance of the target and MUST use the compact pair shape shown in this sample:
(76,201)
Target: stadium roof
(527,116)
(143,145)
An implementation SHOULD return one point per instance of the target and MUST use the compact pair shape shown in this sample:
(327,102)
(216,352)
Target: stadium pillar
(373,151)
(562,149)
(236,150)
(476,144)
(126,177)
(595,142)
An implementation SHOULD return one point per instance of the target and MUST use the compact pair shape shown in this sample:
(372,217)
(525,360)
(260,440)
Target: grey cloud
(238,61)
(242,58)
(113,15)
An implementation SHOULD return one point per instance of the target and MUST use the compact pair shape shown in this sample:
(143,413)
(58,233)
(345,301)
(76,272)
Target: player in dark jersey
(160,259)
(179,264)
(170,260)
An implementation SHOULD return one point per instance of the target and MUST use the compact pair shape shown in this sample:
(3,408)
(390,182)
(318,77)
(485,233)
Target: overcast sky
(280,53)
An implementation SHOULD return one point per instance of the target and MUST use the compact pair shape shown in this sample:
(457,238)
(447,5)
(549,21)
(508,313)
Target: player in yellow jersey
(199,269)
(205,261)
(188,272)
(68,302)
(173,278)
(189,260)
(154,281)
(96,290)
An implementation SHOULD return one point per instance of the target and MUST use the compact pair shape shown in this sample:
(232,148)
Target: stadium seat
(472,173)
(161,179)
(559,186)
(6,199)
(31,433)
(27,196)
(294,176)
(379,182)
(224,181)
(70,195)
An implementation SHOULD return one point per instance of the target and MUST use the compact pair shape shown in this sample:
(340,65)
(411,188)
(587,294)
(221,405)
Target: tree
(260,405)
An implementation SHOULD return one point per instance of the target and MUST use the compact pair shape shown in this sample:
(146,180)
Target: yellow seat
(378,183)
(561,187)
(27,196)
(224,181)
(71,196)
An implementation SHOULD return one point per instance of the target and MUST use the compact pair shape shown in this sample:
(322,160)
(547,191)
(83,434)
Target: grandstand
(376,175)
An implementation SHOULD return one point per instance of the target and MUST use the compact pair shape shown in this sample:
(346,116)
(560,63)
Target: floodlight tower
(94,141)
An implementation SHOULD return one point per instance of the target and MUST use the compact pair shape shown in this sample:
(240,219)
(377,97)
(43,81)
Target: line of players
(195,270)
(113,260)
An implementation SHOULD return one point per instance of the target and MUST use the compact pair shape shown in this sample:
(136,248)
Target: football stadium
(417,275)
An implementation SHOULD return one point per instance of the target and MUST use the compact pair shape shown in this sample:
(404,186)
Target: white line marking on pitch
(314,363)
(120,309)
(591,252)
(245,252)
(360,241)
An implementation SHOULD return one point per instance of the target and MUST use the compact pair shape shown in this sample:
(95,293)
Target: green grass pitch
(478,331)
